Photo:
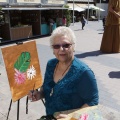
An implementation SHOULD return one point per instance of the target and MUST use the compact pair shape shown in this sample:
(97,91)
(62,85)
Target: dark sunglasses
(63,46)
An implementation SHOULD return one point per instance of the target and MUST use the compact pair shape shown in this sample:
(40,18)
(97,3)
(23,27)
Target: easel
(18,99)
(18,105)
(18,102)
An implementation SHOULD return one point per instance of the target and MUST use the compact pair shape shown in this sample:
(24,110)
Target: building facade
(104,5)
(96,8)
(23,19)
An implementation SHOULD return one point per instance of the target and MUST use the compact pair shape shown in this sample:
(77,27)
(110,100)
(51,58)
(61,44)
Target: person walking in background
(111,36)
(83,21)
(74,18)
(103,20)
(64,21)
(68,83)
(51,23)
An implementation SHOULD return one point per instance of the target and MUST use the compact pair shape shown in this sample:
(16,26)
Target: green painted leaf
(23,62)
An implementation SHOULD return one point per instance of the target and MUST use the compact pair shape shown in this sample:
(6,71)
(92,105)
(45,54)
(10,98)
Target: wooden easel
(18,105)
(18,102)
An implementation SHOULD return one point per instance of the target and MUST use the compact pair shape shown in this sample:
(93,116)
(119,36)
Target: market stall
(21,24)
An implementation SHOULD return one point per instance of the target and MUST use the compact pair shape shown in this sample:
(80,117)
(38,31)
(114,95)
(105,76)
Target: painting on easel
(23,68)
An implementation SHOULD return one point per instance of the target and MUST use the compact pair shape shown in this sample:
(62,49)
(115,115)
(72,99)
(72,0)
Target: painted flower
(84,117)
(31,72)
(19,77)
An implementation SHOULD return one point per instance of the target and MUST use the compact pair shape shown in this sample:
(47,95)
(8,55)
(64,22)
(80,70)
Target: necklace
(61,76)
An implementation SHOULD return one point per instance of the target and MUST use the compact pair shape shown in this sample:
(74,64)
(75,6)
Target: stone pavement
(105,66)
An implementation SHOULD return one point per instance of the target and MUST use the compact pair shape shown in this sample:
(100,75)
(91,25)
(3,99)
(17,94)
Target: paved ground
(105,66)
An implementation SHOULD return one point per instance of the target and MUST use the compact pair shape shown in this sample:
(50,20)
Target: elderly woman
(111,37)
(68,82)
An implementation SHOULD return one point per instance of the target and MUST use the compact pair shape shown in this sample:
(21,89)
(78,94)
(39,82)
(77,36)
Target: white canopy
(23,8)
(76,8)
(95,8)
(82,7)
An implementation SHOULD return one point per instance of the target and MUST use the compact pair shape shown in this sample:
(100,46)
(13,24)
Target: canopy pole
(99,10)
(88,13)
(73,12)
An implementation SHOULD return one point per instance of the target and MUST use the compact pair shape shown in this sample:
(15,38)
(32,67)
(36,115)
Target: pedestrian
(68,83)
(64,21)
(51,23)
(111,36)
(74,18)
(83,21)
(103,20)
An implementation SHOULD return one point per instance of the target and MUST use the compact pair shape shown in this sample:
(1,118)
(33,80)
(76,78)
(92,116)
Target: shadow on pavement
(88,54)
(77,29)
(100,30)
(114,74)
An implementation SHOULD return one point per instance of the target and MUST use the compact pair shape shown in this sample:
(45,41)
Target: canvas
(23,68)
(88,113)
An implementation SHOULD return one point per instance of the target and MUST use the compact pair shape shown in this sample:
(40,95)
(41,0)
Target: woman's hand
(111,9)
(61,116)
(34,95)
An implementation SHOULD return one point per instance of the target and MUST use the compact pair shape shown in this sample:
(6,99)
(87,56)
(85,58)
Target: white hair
(63,31)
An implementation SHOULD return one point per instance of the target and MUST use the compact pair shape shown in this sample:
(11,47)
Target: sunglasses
(57,46)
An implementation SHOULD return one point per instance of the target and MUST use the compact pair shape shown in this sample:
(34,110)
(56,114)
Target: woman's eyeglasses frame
(64,46)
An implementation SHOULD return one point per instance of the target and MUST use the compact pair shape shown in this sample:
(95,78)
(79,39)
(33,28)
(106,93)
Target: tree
(67,15)
(0,8)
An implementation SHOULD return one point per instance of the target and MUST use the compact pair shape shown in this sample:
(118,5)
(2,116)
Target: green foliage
(23,62)
(67,15)
(0,8)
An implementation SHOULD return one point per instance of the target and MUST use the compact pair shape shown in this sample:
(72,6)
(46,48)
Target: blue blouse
(75,89)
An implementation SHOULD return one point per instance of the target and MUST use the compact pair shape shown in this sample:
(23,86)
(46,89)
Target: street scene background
(106,68)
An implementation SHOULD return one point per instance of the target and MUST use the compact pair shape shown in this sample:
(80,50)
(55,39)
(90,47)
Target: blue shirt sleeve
(87,88)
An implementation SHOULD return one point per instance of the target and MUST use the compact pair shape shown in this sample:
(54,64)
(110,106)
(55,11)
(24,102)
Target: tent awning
(84,6)
(96,8)
(76,7)
(91,6)
(58,8)
(25,8)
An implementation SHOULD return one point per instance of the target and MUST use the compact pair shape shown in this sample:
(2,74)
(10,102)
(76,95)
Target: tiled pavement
(105,66)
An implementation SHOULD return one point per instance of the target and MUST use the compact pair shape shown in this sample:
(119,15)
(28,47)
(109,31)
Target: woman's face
(63,49)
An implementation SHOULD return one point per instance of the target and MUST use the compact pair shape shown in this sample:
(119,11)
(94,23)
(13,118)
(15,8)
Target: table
(45,29)
(21,32)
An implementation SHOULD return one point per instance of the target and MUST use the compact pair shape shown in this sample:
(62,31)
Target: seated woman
(68,83)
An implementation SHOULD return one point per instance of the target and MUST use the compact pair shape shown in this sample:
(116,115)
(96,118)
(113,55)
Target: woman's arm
(85,105)
(114,12)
